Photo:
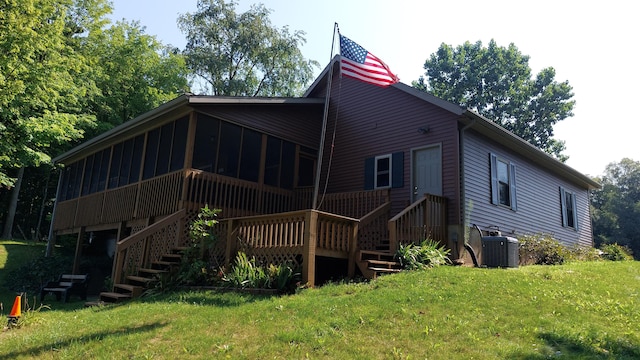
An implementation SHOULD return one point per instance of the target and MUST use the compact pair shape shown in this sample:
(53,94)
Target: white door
(427,172)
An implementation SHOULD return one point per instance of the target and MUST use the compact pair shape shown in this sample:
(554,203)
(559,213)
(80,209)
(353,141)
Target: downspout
(463,197)
(51,238)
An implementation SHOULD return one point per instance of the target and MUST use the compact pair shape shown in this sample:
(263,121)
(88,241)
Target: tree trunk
(13,205)
(44,202)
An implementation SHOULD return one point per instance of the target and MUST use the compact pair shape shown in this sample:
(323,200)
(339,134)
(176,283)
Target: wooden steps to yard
(373,263)
(136,285)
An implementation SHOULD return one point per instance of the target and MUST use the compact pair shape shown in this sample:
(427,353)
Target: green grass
(588,310)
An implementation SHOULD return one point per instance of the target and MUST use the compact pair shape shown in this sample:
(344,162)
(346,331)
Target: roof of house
(183,102)
(486,127)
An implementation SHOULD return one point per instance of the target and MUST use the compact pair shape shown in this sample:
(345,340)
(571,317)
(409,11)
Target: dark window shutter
(575,212)
(369,165)
(494,178)
(514,206)
(563,207)
(397,170)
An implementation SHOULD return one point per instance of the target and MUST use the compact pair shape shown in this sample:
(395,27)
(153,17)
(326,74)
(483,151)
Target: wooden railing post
(353,250)
(230,249)
(393,236)
(309,248)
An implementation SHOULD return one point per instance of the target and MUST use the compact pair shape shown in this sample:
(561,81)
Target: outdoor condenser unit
(500,251)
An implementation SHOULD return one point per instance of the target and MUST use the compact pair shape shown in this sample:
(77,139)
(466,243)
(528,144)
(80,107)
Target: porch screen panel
(179,144)
(164,149)
(95,172)
(206,143)
(136,159)
(153,138)
(115,166)
(104,169)
(86,179)
(229,152)
(250,156)
(125,165)
(288,163)
(272,163)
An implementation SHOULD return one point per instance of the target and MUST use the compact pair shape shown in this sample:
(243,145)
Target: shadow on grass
(209,298)
(52,347)
(582,347)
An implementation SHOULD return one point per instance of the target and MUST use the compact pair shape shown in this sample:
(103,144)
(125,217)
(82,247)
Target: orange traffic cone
(17,308)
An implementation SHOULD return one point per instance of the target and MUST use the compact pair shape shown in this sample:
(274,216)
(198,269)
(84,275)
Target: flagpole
(324,121)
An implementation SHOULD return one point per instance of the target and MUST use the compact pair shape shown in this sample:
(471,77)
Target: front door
(427,171)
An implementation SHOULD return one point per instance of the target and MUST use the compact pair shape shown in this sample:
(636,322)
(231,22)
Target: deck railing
(425,218)
(295,237)
(139,250)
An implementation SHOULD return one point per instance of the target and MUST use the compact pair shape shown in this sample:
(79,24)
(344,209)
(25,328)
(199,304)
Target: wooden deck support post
(76,258)
(353,250)
(230,246)
(309,248)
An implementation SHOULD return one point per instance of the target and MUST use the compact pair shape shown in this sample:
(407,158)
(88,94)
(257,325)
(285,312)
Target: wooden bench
(66,286)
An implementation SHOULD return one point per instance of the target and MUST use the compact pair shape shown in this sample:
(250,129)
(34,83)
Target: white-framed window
(503,182)
(569,209)
(382,172)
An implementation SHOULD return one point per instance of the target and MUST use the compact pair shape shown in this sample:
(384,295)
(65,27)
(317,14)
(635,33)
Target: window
(384,171)
(569,209)
(503,182)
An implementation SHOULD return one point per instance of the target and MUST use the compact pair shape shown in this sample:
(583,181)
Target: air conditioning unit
(500,251)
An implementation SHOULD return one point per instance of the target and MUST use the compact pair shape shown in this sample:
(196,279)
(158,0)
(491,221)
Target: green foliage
(194,269)
(615,252)
(245,273)
(616,206)
(427,254)
(33,274)
(496,82)
(542,249)
(41,87)
(243,54)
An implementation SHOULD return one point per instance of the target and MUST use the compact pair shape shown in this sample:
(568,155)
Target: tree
(496,82)
(133,72)
(616,206)
(243,54)
(39,91)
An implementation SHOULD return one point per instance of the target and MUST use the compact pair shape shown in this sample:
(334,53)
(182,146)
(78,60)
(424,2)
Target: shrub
(615,252)
(541,249)
(245,273)
(426,255)
(31,276)
(584,253)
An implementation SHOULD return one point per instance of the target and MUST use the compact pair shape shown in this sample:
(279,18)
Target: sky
(590,44)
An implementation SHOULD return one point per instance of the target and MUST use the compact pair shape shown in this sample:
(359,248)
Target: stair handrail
(133,239)
(393,223)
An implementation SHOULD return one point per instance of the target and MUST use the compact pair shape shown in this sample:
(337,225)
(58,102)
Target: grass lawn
(588,310)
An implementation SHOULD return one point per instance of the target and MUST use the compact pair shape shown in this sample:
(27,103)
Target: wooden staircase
(146,278)
(373,263)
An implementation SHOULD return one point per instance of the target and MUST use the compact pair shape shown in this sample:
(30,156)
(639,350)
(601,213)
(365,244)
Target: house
(397,165)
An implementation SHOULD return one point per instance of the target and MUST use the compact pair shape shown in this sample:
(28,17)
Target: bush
(615,252)
(31,276)
(245,273)
(542,249)
(426,255)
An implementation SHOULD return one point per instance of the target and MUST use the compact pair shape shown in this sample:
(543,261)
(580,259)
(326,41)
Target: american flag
(358,63)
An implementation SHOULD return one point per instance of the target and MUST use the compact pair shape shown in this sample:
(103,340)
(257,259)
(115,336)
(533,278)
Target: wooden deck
(272,224)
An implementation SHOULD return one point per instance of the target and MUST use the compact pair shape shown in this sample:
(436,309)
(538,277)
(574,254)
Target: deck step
(114,296)
(164,264)
(384,270)
(376,255)
(385,264)
(140,279)
(174,257)
(134,290)
(152,271)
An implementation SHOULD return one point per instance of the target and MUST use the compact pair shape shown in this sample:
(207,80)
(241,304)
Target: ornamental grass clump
(427,254)
(246,273)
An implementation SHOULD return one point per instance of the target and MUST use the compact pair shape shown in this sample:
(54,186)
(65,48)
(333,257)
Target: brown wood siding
(299,124)
(538,195)
(377,121)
